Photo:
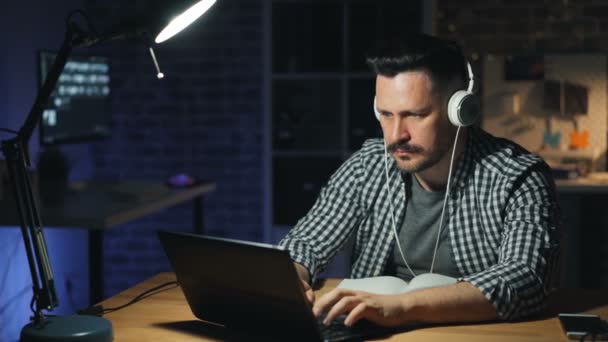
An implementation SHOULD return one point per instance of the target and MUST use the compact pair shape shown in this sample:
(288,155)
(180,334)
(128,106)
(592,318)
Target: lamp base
(69,328)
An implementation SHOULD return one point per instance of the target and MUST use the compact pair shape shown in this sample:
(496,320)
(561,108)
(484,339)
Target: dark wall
(22,32)
(204,118)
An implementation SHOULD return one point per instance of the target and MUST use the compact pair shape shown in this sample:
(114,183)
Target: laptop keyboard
(337,331)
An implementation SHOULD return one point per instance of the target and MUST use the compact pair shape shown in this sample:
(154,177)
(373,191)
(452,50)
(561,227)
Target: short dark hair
(443,59)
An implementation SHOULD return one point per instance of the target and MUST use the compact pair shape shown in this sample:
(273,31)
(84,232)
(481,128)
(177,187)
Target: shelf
(590,154)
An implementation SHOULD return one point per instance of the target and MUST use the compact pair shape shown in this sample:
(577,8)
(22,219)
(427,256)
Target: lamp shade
(158,20)
(184,17)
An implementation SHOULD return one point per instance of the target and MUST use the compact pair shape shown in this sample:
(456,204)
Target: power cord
(99,310)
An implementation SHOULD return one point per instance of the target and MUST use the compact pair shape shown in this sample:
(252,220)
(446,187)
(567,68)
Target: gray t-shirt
(418,236)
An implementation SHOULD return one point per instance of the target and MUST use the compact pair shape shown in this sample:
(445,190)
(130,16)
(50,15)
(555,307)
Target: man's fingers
(310,294)
(345,304)
(356,314)
(328,300)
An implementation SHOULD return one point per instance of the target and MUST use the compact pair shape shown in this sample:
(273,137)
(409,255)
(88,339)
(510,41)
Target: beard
(425,158)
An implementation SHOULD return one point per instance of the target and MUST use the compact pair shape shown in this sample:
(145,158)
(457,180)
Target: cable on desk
(99,310)
(158,289)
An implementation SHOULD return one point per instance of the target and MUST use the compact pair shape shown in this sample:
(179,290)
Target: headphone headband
(471,76)
(463,106)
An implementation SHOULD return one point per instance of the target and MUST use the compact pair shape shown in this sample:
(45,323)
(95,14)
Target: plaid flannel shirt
(503,221)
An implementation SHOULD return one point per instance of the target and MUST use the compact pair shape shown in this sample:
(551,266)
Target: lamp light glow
(184,20)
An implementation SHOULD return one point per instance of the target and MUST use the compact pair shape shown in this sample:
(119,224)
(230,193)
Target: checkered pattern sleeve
(325,229)
(529,247)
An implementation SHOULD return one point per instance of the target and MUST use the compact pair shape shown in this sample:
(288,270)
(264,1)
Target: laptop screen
(240,284)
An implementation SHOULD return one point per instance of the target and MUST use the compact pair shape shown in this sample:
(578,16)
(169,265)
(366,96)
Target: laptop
(250,287)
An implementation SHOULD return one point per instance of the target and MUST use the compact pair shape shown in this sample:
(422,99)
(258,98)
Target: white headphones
(463,106)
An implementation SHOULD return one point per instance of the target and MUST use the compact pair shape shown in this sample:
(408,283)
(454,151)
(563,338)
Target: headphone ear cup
(463,108)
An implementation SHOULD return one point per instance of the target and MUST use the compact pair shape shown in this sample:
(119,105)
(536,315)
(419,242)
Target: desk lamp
(75,327)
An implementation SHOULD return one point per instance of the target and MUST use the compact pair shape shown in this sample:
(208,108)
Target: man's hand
(460,302)
(310,294)
(385,310)
(305,277)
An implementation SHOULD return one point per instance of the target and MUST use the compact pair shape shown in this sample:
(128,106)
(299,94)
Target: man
(499,236)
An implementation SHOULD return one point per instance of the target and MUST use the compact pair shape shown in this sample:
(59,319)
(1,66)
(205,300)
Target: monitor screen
(552,97)
(79,106)
(565,98)
(576,98)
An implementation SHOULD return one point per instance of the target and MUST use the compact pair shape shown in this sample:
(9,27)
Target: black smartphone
(576,326)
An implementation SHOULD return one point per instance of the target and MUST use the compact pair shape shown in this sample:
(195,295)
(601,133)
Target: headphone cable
(390,201)
(445,200)
(447,193)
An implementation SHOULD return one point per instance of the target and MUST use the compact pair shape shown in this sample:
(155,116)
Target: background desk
(585,259)
(98,206)
(167,317)
(583,186)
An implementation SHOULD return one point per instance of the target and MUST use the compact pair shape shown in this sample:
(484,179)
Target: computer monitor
(79,106)
(576,98)
(552,97)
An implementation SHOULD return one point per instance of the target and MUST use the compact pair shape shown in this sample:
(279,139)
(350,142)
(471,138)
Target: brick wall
(204,118)
(500,26)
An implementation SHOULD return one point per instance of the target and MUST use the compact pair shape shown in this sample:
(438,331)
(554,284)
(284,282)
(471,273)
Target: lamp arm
(18,160)
(43,284)
(26,131)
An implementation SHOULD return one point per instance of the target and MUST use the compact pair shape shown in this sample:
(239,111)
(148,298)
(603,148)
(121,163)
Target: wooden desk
(101,205)
(584,186)
(167,317)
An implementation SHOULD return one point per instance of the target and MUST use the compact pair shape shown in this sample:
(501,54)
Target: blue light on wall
(41,29)
(69,259)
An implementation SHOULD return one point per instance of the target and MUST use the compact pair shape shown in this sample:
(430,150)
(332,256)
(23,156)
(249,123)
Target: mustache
(405,146)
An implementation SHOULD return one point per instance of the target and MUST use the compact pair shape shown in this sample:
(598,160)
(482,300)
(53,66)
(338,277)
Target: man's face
(416,129)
